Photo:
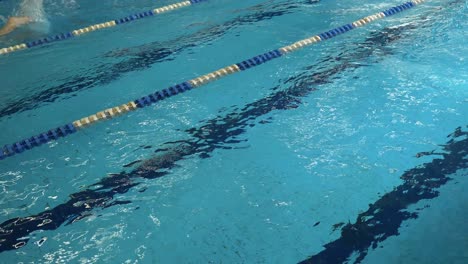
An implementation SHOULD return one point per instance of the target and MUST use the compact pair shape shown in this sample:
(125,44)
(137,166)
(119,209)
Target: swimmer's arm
(13,23)
(7,28)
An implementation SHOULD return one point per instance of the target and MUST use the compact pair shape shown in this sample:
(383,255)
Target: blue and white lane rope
(112,23)
(62,131)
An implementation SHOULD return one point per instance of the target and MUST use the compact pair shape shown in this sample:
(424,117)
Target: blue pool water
(352,150)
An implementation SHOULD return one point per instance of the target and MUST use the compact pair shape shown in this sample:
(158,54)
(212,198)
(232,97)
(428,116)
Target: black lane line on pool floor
(218,133)
(420,184)
(385,216)
(146,55)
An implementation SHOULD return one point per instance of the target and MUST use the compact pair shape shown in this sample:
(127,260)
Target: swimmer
(28,12)
(13,23)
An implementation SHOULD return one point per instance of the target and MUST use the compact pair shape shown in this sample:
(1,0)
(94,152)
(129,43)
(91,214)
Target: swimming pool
(322,155)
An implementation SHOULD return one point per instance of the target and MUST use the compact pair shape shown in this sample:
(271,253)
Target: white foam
(35,10)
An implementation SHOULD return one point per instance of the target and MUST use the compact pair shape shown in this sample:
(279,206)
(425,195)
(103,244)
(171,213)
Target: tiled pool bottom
(271,165)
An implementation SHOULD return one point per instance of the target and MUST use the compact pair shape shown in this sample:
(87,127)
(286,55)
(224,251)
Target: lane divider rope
(112,23)
(63,131)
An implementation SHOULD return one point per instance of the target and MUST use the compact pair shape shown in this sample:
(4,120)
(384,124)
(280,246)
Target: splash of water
(35,10)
